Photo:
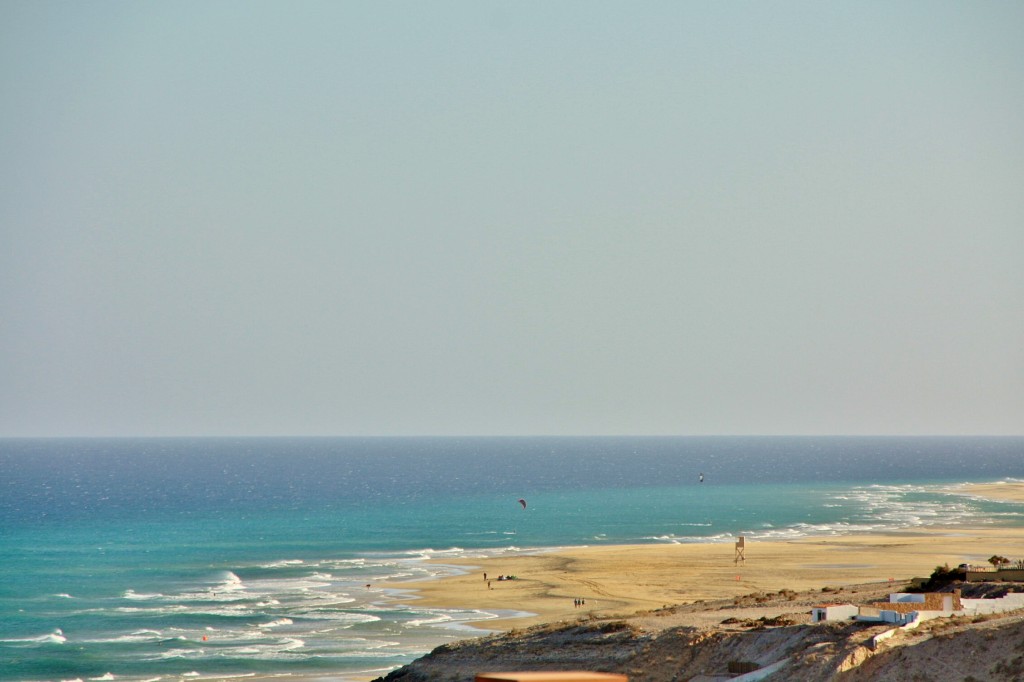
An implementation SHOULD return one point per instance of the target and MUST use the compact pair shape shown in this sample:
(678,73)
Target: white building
(826,612)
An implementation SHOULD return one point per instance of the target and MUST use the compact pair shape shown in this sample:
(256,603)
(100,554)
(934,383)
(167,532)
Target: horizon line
(504,436)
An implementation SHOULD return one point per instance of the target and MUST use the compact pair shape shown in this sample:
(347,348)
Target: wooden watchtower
(739,551)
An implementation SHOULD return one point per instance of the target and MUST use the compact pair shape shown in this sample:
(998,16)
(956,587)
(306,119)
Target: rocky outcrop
(673,654)
(991,650)
(662,647)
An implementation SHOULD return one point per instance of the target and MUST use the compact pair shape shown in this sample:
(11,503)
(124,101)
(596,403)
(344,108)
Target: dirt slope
(718,640)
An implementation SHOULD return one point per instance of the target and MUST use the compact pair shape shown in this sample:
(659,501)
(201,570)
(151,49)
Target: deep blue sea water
(198,559)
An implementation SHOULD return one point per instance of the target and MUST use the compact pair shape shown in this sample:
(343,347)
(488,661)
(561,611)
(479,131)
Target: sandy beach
(620,580)
(1003,491)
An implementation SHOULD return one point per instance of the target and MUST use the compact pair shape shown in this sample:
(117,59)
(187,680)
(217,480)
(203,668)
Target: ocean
(209,559)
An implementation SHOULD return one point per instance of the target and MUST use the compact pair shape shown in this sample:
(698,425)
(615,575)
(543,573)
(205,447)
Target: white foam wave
(433,620)
(132,594)
(55,637)
(398,575)
(158,610)
(103,678)
(870,508)
(689,539)
(275,650)
(341,563)
(180,653)
(377,654)
(63,595)
(457,620)
(430,553)
(137,636)
(283,615)
(348,618)
(369,646)
(227,612)
(230,582)
(276,623)
(801,530)
(912,506)
(284,563)
(293,643)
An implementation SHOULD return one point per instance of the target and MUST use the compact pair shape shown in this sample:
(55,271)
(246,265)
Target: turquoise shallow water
(205,559)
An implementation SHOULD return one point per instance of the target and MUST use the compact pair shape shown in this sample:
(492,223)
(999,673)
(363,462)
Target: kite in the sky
(522,502)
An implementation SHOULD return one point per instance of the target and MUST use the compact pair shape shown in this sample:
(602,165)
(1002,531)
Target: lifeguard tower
(739,551)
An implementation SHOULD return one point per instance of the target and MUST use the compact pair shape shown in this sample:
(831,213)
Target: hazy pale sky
(395,218)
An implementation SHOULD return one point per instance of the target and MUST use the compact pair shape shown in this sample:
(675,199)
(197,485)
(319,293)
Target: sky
(226,218)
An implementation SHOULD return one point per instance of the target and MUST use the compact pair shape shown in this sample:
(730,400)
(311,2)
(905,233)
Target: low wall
(881,637)
(1011,575)
(1010,602)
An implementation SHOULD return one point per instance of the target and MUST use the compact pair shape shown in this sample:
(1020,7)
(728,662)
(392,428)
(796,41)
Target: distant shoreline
(622,579)
(1001,491)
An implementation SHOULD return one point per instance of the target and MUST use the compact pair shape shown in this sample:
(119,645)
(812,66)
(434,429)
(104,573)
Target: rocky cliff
(718,641)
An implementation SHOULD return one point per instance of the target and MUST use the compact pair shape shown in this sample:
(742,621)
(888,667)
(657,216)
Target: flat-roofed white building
(826,612)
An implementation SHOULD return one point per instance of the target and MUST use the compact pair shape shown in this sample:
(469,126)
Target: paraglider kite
(522,502)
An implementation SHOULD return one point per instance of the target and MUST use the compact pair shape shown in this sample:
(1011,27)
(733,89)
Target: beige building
(905,602)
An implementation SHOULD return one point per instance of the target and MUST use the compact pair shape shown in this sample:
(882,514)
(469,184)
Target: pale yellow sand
(619,580)
(1004,491)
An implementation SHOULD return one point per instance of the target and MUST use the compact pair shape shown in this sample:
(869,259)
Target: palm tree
(998,561)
